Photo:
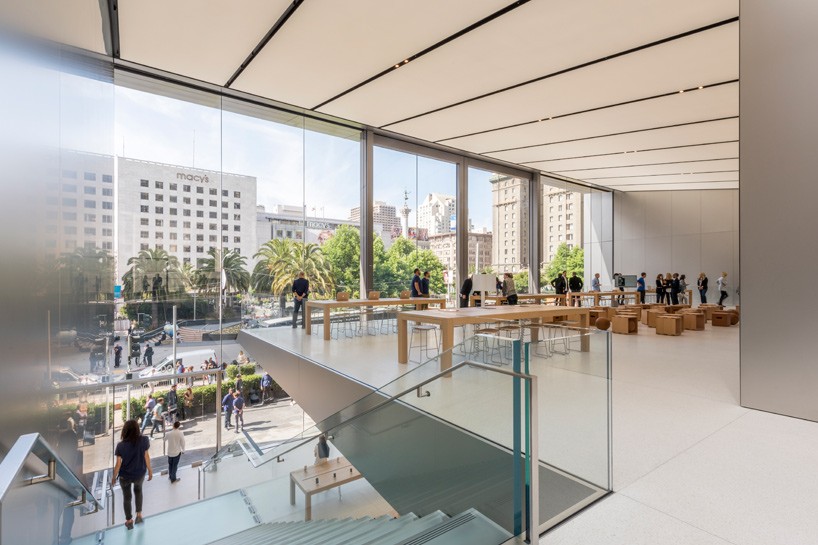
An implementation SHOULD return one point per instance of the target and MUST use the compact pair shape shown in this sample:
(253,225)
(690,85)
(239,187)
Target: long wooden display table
(599,295)
(320,477)
(329,304)
(450,318)
(500,299)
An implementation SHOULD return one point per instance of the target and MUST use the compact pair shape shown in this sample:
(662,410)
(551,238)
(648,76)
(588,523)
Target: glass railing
(573,420)
(409,457)
(34,478)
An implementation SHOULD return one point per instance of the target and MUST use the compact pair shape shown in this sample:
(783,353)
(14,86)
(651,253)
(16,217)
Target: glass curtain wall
(414,216)
(499,225)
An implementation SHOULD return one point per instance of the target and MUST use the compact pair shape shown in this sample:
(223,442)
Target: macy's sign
(192,177)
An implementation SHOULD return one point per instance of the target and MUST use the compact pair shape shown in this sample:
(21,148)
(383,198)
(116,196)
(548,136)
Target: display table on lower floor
(319,478)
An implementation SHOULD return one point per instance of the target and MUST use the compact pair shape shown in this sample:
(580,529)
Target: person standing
(660,289)
(683,289)
(266,387)
(701,285)
(575,285)
(640,287)
(674,289)
(620,285)
(227,407)
(596,285)
(509,289)
(301,290)
(415,287)
(722,284)
(321,450)
(424,284)
(559,285)
(239,384)
(186,409)
(117,355)
(465,292)
(238,409)
(175,449)
(132,462)
(149,355)
(173,402)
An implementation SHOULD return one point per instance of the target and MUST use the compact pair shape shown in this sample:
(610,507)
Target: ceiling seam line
(658,175)
(635,151)
(650,164)
(678,182)
(659,128)
(570,69)
(589,110)
(282,19)
(429,49)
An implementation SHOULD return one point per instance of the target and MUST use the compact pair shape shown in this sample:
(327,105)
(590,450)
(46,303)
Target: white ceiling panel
(717,165)
(690,153)
(76,22)
(679,187)
(713,131)
(328,46)
(701,59)
(705,177)
(478,62)
(708,103)
(202,39)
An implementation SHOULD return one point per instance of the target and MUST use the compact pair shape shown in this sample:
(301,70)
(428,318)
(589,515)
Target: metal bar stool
(484,343)
(422,331)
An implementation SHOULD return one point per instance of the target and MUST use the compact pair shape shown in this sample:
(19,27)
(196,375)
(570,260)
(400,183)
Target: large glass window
(499,225)
(414,217)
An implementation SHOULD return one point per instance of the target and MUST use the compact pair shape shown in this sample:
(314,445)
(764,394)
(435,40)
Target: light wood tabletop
(328,304)
(448,319)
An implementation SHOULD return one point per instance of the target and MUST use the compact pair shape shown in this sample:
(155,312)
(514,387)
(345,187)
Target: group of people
(420,284)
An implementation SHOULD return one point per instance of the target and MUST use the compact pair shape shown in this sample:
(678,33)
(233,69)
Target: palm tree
(89,272)
(143,271)
(231,263)
(280,260)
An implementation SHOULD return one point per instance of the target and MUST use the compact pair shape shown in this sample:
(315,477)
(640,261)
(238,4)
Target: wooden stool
(669,324)
(625,324)
(694,321)
(721,319)
(652,315)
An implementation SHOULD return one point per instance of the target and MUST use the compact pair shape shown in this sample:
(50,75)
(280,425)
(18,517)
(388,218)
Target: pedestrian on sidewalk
(238,409)
(175,449)
(227,407)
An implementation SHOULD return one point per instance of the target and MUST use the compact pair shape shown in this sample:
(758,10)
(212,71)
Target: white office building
(183,210)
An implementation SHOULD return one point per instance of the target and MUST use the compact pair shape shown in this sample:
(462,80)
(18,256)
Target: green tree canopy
(343,252)
(393,273)
(144,266)
(571,260)
(282,259)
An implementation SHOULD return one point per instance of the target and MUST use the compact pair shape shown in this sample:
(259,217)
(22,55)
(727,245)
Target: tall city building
(79,204)
(436,214)
(383,215)
(509,218)
(444,247)
(185,211)
(562,220)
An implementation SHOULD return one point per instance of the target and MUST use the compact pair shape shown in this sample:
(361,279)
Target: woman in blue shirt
(132,462)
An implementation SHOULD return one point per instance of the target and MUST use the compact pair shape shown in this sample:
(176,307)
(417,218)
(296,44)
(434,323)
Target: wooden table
(598,295)
(326,305)
(448,319)
(500,299)
(320,477)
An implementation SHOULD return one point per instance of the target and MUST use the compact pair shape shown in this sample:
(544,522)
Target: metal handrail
(17,459)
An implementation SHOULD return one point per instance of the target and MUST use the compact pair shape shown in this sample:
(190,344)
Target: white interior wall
(678,231)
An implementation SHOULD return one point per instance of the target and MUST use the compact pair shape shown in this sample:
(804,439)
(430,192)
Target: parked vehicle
(168,365)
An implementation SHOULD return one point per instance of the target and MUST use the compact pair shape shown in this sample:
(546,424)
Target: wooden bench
(625,324)
(669,324)
(319,478)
